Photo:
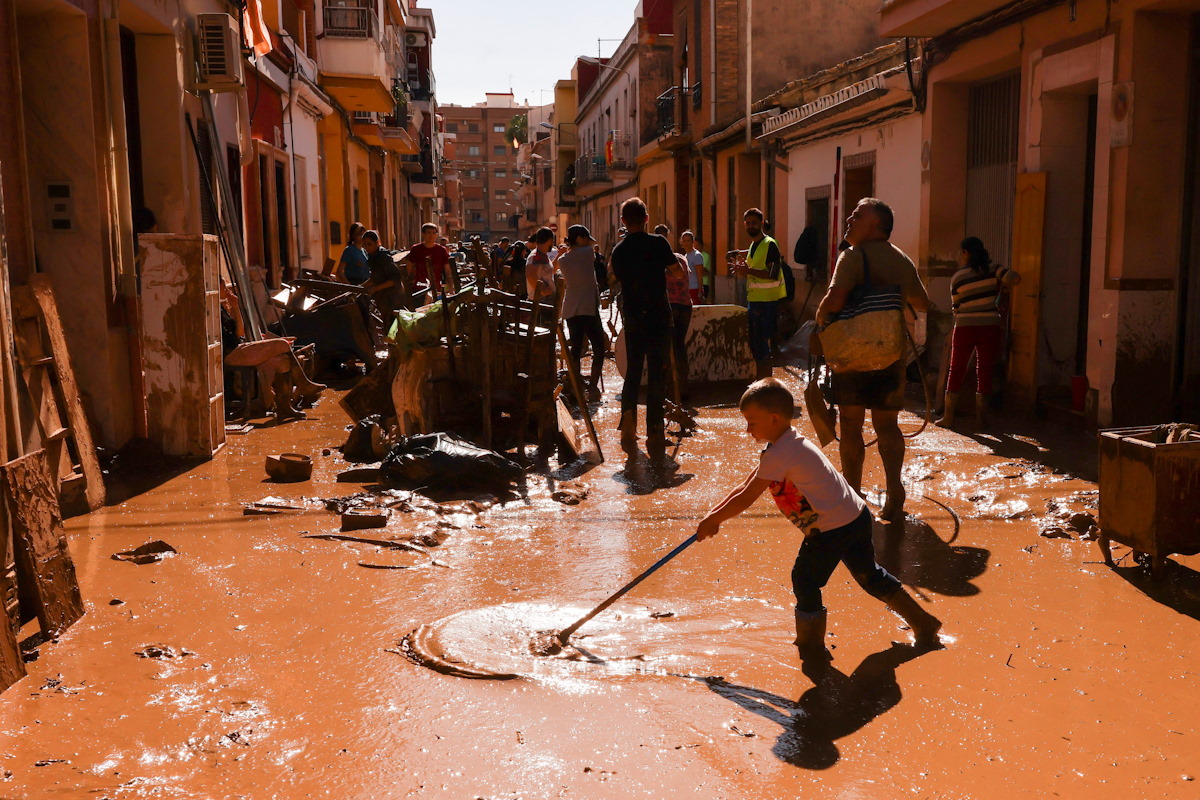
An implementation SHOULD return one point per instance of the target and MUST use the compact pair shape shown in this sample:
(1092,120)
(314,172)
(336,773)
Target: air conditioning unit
(219,53)
(414,39)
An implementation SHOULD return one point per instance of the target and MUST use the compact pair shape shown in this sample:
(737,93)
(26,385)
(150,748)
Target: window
(473,150)
(500,194)
(501,173)
(500,150)
(498,127)
(473,174)
(501,216)
(451,127)
(472,127)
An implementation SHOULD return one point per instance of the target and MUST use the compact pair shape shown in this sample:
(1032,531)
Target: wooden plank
(34,363)
(12,666)
(566,427)
(77,421)
(44,561)
(1029,220)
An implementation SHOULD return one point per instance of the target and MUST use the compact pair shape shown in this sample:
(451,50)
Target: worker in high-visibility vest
(763,271)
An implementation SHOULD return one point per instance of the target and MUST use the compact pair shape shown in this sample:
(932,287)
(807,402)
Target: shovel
(549,643)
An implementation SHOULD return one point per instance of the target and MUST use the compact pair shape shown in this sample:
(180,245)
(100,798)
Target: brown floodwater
(280,670)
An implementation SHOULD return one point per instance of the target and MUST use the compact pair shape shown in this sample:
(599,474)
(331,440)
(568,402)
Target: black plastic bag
(363,445)
(445,461)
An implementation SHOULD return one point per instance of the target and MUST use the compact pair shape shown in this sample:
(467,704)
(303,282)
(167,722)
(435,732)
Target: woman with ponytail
(974,294)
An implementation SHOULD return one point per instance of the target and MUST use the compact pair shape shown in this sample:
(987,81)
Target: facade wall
(1117,304)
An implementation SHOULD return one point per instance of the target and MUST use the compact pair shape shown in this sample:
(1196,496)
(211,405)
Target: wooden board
(44,563)
(76,419)
(12,666)
(1029,221)
(566,427)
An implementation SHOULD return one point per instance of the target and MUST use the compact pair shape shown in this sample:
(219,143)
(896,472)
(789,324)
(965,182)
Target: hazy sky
(497,45)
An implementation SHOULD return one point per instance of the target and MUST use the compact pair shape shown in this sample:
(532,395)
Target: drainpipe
(293,91)
(749,71)
(712,62)
(121,216)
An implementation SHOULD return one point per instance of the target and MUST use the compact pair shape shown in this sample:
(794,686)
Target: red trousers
(984,341)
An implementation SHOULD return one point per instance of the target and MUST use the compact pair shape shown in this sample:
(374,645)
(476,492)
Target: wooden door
(1029,221)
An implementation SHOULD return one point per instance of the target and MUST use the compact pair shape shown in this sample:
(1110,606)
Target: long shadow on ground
(837,706)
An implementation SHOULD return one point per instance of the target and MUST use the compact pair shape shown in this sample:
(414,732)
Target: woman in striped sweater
(974,294)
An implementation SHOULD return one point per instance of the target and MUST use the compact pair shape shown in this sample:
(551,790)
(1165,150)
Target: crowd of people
(656,286)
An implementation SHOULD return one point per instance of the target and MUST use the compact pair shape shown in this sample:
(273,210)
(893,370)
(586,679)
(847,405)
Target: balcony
(365,126)
(350,20)
(352,58)
(672,130)
(924,18)
(624,154)
(421,84)
(591,169)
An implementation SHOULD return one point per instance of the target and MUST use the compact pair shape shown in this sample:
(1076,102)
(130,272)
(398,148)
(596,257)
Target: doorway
(993,110)
(1187,366)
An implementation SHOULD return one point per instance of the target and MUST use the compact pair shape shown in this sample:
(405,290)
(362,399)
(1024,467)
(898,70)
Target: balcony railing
(590,168)
(350,21)
(426,174)
(672,111)
(624,156)
(421,85)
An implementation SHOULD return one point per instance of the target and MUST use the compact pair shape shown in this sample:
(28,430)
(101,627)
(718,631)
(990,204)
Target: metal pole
(749,71)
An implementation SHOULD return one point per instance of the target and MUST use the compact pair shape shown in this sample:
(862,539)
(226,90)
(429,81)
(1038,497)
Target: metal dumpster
(1149,494)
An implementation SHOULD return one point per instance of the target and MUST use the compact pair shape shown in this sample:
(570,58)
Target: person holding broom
(834,520)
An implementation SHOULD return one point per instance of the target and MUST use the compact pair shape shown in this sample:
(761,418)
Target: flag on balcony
(258,38)
(608,151)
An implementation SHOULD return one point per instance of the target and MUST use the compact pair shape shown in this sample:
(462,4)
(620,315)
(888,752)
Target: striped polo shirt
(974,295)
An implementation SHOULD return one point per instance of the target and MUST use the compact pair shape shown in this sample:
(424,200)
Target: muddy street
(260,662)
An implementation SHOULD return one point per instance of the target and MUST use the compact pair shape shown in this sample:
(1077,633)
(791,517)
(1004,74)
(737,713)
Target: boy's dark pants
(819,556)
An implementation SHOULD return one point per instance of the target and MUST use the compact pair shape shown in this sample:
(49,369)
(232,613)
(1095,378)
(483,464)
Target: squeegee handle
(617,595)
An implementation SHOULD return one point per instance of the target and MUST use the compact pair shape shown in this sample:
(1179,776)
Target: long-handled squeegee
(548,643)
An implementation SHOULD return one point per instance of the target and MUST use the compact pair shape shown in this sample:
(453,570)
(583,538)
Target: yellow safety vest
(764,290)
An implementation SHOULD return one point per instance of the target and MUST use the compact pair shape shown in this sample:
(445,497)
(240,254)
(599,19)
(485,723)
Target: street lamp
(599,63)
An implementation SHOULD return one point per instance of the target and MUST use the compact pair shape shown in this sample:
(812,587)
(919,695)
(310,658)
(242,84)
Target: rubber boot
(282,386)
(593,387)
(951,408)
(980,411)
(628,429)
(925,626)
(306,390)
(810,632)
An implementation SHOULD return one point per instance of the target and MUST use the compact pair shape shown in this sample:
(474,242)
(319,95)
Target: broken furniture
(182,355)
(64,430)
(1148,491)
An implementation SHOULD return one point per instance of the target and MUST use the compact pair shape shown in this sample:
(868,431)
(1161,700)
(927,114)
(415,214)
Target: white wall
(897,147)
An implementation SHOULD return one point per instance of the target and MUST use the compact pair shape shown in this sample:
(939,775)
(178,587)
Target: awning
(359,92)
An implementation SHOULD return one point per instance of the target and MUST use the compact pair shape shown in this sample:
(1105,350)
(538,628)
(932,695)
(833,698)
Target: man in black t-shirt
(640,262)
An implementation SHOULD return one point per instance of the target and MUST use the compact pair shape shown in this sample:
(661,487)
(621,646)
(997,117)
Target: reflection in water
(837,706)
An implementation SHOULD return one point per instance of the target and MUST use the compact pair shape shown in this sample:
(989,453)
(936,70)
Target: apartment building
(123,112)
(612,125)
(485,159)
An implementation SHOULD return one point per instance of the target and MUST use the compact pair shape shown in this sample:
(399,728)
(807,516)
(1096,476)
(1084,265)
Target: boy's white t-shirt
(808,490)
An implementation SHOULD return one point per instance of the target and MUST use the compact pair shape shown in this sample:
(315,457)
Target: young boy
(833,518)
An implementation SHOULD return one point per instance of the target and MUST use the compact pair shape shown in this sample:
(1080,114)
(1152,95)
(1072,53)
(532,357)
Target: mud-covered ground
(276,670)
